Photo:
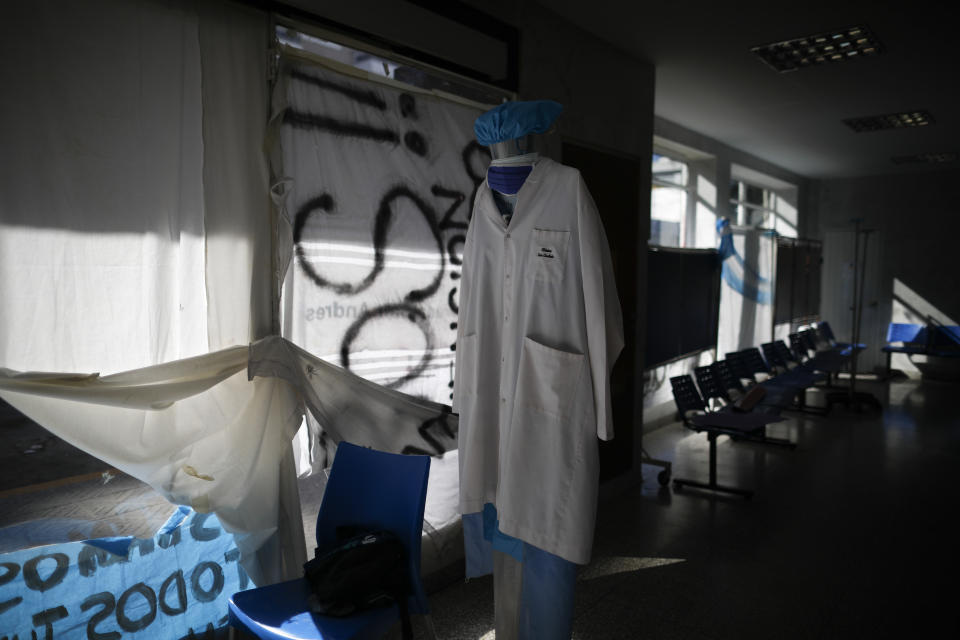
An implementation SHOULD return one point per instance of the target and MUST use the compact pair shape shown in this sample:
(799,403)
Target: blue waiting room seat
(933,339)
(695,413)
(368,488)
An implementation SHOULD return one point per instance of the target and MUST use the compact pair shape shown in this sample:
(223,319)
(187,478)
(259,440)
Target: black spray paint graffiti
(363,96)
(413,140)
(438,433)
(414,314)
(448,233)
(472,151)
(46,573)
(381,230)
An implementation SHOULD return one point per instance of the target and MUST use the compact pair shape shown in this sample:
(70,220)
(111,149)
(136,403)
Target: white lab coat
(539,329)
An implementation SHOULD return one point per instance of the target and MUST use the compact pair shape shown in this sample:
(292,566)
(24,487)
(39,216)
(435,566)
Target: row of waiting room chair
(777,377)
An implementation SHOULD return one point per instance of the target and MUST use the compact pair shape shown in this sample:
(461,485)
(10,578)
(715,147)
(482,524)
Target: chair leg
(712,485)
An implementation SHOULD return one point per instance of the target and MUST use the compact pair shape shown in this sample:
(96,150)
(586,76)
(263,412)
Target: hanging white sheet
(196,430)
(354,409)
(362,412)
(375,181)
(233,54)
(101,196)
(211,431)
(746,291)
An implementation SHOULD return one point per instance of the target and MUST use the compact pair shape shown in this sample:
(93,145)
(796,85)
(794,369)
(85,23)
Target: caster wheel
(663,478)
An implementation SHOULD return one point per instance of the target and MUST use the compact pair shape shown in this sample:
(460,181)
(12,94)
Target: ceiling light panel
(928,158)
(823,48)
(902,120)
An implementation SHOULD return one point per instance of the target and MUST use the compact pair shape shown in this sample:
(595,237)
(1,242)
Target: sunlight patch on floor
(602,567)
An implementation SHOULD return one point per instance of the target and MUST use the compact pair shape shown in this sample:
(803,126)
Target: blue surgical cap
(515,119)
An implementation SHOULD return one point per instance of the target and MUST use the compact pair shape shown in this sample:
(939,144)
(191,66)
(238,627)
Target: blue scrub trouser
(533,589)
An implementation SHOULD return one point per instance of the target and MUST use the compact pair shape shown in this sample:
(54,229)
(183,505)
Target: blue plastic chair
(367,488)
(901,332)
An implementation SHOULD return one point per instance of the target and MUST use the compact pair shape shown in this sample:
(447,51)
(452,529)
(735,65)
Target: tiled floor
(851,535)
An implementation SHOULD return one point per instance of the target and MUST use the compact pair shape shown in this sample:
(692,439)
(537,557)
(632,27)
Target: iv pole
(856,398)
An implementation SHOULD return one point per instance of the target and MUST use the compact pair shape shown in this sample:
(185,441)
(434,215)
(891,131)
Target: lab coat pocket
(548,378)
(549,253)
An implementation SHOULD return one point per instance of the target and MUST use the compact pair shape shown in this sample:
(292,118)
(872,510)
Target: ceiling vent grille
(823,48)
(902,120)
(928,158)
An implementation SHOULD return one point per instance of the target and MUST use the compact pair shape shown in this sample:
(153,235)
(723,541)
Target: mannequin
(539,328)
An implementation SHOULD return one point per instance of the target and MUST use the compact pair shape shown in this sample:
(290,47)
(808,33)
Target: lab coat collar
(540,169)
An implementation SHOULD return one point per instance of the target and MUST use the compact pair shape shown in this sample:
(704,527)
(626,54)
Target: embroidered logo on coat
(546,252)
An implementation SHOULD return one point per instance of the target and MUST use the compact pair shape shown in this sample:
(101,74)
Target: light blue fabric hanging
(740,276)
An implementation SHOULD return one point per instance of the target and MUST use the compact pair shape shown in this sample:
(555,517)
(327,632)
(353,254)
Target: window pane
(734,190)
(668,207)
(418,77)
(754,195)
(706,228)
(668,170)
(663,233)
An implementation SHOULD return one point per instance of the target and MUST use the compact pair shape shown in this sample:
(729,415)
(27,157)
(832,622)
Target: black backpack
(363,571)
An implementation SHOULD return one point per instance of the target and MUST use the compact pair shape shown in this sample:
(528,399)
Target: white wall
(726,156)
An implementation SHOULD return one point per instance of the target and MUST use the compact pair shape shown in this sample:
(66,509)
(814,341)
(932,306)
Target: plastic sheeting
(172,585)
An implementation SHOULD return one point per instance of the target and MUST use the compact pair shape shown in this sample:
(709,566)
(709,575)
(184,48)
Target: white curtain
(135,231)
(101,194)
(239,274)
